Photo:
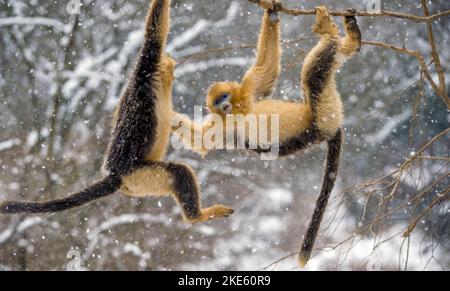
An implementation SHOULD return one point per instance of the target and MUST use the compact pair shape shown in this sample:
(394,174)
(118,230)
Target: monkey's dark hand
(273,12)
(351,18)
(352,27)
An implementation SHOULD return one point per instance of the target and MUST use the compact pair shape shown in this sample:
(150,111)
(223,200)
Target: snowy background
(61,76)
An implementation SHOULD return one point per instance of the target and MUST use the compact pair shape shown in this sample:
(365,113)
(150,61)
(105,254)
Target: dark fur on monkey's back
(132,135)
(135,129)
(317,78)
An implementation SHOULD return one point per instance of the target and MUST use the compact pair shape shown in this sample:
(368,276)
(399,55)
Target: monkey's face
(222,98)
(223,104)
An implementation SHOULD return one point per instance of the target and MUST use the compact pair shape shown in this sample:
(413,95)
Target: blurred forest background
(62,74)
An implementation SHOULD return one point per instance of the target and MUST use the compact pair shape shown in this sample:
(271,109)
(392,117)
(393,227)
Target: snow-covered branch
(205,65)
(393,122)
(8,144)
(201,26)
(35,21)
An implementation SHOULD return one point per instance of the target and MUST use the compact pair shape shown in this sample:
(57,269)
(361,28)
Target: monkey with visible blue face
(302,124)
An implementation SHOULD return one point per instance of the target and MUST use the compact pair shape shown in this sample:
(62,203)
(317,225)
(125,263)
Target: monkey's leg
(186,192)
(324,22)
(159,178)
(318,77)
(352,41)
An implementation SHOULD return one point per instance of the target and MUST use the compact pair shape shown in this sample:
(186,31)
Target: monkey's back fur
(135,129)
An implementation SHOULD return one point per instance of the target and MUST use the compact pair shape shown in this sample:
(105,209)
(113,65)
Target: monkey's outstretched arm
(186,130)
(269,39)
(262,76)
(157,25)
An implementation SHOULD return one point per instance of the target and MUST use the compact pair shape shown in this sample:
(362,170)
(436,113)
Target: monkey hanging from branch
(140,137)
(302,124)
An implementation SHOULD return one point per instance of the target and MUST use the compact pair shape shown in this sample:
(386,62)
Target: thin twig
(435,54)
(423,65)
(430,207)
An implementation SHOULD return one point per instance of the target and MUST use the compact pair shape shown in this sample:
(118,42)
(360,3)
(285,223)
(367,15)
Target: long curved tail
(331,170)
(100,189)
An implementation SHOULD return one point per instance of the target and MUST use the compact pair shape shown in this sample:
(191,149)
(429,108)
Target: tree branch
(37,21)
(266,4)
(435,54)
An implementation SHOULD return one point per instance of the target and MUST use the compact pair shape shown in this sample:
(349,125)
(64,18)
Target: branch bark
(435,55)
(58,97)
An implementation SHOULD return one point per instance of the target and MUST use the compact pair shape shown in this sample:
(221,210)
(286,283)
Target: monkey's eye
(221,99)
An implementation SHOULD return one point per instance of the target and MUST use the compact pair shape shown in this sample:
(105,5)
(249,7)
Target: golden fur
(141,183)
(164,110)
(302,124)
(258,82)
(158,181)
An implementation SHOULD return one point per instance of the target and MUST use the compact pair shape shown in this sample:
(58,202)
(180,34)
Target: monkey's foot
(213,212)
(324,22)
